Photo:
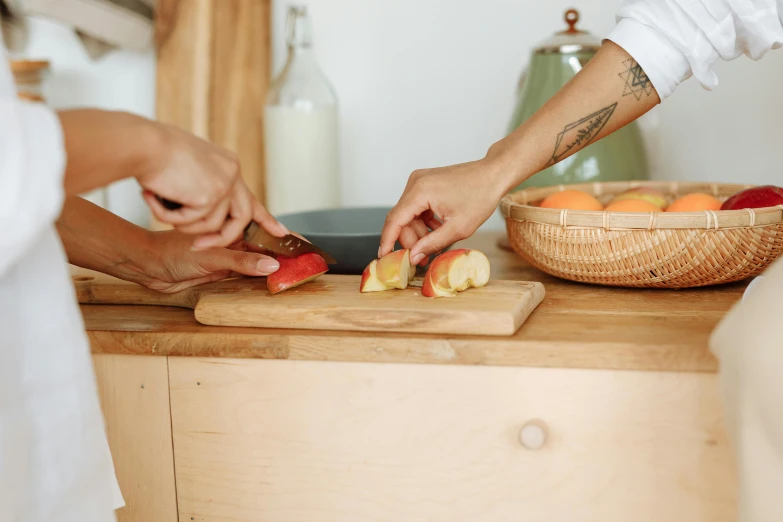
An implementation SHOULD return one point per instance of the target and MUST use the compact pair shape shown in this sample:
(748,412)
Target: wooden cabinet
(291,441)
(134,393)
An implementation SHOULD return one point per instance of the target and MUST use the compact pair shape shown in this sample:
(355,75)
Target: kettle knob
(571,17)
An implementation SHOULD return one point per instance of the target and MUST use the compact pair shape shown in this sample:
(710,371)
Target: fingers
(238,261)
(213,222)
(436,241)
(400,216)
(182,216)
(419,227)
(408,237)
(411,234)
(429,219)
(239,217)
(262,216)
(182,285)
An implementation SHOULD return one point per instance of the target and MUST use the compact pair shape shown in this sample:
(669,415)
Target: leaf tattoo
(581,132)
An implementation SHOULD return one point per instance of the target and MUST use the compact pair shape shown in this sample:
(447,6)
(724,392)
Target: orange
(694,203)
(572,200)
(633,205)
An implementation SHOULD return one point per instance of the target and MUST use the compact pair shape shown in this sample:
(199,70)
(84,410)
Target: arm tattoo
(581,132)
(636,81)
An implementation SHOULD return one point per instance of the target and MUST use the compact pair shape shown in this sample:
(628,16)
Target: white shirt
(54,459)
(674,39)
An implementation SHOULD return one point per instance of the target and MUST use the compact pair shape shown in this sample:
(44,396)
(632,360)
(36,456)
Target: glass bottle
(300,126)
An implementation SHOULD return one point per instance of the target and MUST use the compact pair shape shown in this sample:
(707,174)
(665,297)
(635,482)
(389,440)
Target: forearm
(610,92)
(95,238)
(105,146)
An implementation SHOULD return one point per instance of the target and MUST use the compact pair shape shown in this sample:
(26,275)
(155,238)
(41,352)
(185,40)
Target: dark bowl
(351,235)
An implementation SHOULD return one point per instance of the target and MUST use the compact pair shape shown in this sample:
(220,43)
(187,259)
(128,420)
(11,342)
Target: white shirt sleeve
(32,163)
(674,39)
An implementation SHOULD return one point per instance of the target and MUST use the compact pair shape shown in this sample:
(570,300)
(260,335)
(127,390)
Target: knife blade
(289,245)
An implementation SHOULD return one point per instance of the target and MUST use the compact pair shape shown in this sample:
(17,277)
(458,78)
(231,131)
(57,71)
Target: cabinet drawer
(295,441)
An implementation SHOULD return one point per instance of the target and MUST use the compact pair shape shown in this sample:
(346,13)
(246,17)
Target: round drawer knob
(533,435)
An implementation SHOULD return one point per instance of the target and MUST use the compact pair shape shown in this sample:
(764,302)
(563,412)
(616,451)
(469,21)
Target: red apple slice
(455,271)
(370,281)
(394,269)
(295,271)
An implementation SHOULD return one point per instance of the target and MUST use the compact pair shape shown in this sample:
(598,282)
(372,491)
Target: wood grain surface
(333,302)
(303,441)
(134,394)
(213,71)
(576,326)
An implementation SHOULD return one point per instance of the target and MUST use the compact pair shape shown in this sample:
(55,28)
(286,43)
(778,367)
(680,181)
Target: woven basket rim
(515,206)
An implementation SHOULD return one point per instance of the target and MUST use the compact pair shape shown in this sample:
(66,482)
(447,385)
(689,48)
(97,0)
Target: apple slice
(394,269)
(455,271)
(295,271)
(370,281)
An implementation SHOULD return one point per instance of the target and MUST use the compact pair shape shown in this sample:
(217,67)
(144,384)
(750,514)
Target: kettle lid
(570,40)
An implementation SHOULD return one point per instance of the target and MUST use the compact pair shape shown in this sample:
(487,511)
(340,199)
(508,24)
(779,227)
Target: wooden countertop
(577,326)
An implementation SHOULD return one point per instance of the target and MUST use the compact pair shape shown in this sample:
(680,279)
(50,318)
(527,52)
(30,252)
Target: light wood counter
(238,424)
(577,326)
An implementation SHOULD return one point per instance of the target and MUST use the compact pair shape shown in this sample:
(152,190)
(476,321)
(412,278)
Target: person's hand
(450,201)
(205,179)
(176,266)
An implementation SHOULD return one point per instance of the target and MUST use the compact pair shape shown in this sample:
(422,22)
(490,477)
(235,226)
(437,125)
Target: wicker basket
(644,249)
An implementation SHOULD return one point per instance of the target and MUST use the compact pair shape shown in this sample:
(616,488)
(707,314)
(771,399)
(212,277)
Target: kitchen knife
(288,245)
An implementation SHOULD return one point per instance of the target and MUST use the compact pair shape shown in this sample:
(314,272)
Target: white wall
(428,83)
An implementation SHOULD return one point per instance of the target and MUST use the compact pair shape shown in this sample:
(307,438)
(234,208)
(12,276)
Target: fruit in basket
(572,200)
(455,271)
(756,197)
(651,195)
(295,271)
(394,270)
(632,205)
(695,202)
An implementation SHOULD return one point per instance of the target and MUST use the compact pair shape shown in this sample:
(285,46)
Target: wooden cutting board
(333,302)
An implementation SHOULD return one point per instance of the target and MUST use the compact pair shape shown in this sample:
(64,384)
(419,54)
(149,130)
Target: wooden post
(213,72)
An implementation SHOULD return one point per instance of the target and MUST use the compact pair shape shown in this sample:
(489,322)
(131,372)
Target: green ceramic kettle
(620,156)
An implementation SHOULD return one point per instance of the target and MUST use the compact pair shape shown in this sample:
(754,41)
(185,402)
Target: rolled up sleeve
(32,163)
(674,39)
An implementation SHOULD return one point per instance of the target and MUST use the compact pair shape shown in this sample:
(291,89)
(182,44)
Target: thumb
(241,262)
(435,242)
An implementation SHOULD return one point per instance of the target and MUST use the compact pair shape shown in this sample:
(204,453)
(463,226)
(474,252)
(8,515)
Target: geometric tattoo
(636,80)
(581,132)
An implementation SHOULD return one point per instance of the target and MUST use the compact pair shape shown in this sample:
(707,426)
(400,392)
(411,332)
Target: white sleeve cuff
(32,164)
(664,64)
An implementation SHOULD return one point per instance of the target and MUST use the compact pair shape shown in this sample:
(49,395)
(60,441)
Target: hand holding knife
(254,234)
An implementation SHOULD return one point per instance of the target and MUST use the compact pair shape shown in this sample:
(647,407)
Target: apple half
(295,271)
(455,271)
(393,270)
